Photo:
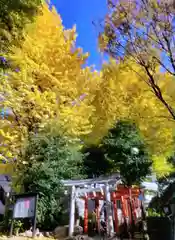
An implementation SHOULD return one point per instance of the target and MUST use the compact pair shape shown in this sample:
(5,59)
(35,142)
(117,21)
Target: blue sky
(82,13)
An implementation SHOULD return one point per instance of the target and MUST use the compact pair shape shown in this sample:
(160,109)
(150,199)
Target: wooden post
(11,229)
(110,225)
(131,209)
(135,209)
(116,216)
(97,213)
(86,215)
(122,206)
(132,206)
(35,217)
(72,211)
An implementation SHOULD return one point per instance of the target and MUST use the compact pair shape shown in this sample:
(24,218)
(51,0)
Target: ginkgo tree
(140,36)
(144,32)
(14,16)
(46,83)
(121,96)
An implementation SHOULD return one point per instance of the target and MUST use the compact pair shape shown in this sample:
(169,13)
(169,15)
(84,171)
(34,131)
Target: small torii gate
(82,187)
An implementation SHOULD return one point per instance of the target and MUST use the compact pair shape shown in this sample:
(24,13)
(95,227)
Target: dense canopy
(47,85)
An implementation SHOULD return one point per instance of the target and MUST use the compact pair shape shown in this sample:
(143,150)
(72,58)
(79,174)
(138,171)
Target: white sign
(24,208)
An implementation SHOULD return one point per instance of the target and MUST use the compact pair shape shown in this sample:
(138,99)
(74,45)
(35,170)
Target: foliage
(143,31)
(119,146)
(18,225)
(115,154)
(121,95)
(95,164)
(14,16)
(162,166)
(45,84)
(154,213)
(165,181)
(48,159)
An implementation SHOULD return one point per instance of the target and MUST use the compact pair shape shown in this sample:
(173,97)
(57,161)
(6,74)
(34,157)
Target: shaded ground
(22,238)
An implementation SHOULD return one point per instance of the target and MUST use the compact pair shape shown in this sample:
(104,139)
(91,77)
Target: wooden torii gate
(83,187)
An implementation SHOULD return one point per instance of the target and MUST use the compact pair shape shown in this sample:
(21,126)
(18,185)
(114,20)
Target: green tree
(121,150)
(95,163)
(125,149)
(47,159)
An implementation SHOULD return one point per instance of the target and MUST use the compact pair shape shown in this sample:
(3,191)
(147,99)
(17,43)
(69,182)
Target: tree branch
(170,52)
(158,92)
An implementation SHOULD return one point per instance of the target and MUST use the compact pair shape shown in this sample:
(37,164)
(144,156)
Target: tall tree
(122,150)
(46,83)
(14,17)
(121,95)
(126,149)
(143,31)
